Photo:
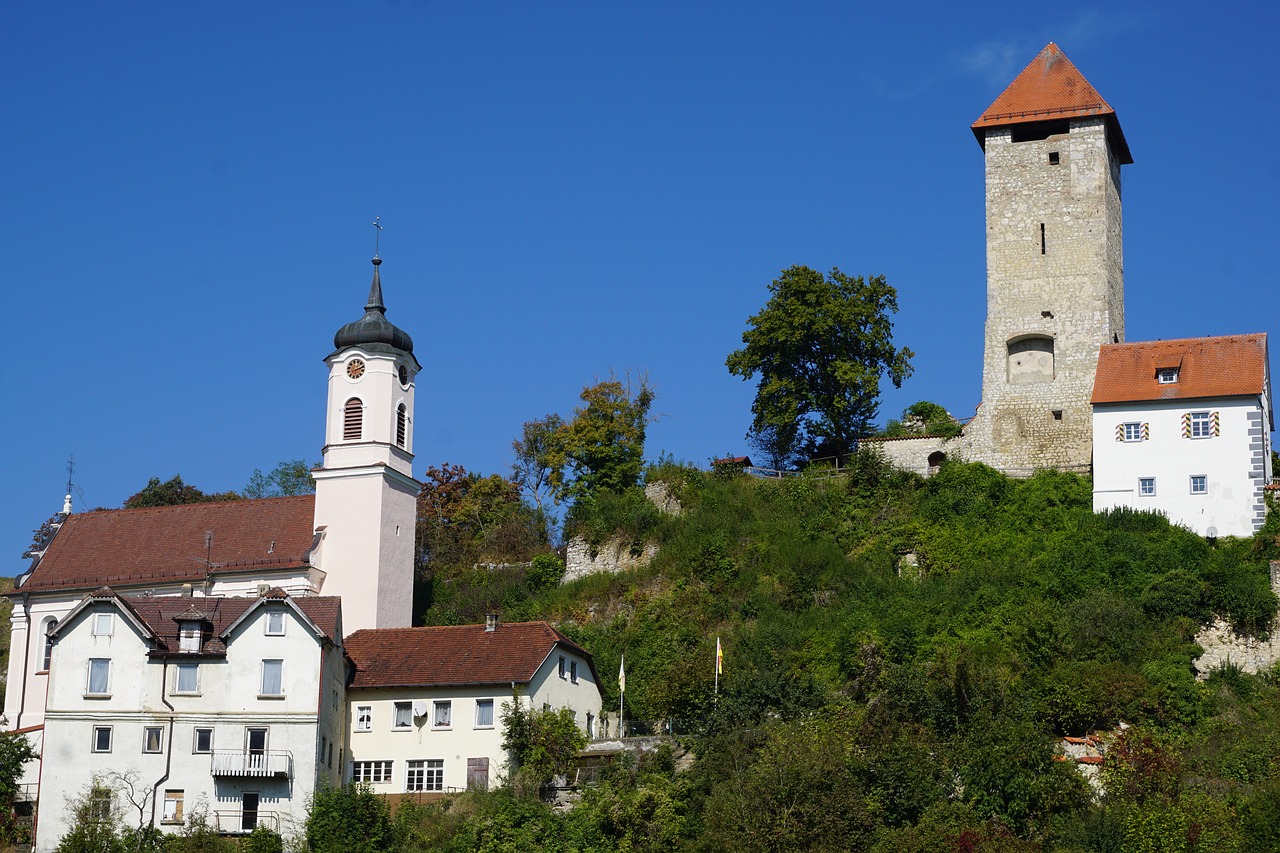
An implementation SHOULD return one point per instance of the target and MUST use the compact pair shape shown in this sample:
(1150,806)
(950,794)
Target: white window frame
(173,806)
(267,665)
(104,624)
(480,705)
(1202,481)
(415,775)
(276,629)
(1132,431)
(1166,375)
(96,742)
(190,635)
(88,687)
(434,780)
(371,772)
(1201,425)
(364,718)
(149,732)
(195,740)
(1142,487)
(402,711)
(192,689)
(445,705)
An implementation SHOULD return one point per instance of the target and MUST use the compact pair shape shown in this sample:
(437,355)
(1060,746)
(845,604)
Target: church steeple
(374,328)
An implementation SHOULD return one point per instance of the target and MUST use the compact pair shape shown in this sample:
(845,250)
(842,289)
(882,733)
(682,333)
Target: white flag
(622,675)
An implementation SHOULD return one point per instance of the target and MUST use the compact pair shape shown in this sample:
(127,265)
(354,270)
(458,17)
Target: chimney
(491,622)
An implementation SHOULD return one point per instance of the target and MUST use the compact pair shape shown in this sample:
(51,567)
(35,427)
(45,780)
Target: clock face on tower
(404,376)
(355,368)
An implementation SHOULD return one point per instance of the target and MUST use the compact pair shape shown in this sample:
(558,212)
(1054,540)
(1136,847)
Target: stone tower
(1055,271)
(366,497)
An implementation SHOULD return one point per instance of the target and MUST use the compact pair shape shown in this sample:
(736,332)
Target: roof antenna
(208,549)
(377,234)
(71,470)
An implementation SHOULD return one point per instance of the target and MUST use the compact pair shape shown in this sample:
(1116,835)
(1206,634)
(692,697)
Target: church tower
(1055,270)
(366,496)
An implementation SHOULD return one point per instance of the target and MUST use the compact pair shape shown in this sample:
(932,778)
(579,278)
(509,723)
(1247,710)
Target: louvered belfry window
(401,419)
(353,420)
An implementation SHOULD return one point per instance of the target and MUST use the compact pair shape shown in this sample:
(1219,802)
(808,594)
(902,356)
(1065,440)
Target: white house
(425,704)
(1184,427)
(231,705)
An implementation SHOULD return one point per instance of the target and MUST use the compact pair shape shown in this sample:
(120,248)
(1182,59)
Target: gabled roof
(1051,88)
(160,618)
(1227,366)
(455,655)
(167,544)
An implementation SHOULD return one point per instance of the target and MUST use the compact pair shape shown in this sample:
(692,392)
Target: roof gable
(1226,366)
(455,655)
(1051,87)
(167,544)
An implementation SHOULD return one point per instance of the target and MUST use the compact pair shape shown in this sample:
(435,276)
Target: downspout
(168,747)
(26,660)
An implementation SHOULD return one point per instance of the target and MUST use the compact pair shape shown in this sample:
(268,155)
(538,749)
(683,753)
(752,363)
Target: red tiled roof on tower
(454,654)
(1051,88)
(167,544)
(1227,366)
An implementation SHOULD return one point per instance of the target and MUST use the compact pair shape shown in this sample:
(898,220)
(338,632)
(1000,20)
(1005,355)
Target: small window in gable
(190,636)
(275,623)
(103,624)
(353,420)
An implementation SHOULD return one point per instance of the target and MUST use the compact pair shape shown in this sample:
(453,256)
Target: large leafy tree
(465,518)
(172,492)
(602,448)
(289,477)
(819,346)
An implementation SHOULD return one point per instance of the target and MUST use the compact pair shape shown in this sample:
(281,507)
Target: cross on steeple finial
(377,234)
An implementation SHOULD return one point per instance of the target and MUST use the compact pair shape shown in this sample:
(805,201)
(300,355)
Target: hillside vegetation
(901,656)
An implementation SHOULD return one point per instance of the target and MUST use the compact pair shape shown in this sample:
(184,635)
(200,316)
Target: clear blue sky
(568,189)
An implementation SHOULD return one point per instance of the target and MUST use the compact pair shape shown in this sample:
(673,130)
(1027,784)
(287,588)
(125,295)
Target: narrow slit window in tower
(1054,159)
(400,425)
(1042,238)
(353,420)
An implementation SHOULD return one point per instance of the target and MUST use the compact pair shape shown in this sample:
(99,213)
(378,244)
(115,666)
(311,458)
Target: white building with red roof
(426,703)
(233,706)
(1184,427)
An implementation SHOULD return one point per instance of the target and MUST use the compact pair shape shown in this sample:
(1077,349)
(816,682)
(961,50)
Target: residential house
(1184,427)
(229,705)
(425,704)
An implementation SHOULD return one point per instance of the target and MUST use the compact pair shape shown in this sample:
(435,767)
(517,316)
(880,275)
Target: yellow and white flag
(719,658)
(622,674)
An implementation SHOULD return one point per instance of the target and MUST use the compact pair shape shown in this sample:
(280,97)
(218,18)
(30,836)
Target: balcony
(256,763)
(237,822)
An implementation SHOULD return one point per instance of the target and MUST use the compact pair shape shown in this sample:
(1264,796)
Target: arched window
(49,625)
(1030,360)
(353,420)
(401,424)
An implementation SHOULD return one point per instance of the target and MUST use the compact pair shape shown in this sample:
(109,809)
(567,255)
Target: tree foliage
(601,448)
(465,518)
(289,477)
(172,492)
(542,744)
(350,819)
(820,346)
(924,418)
(537,454)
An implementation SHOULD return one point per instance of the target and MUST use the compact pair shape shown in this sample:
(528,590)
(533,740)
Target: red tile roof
(1227,366)
(166,544)
(455,654)
(1051,88)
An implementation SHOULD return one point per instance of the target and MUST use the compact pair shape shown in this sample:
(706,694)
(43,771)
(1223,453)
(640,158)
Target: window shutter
(1119,432)
(1214,424)
(1146,431)
(1186,425)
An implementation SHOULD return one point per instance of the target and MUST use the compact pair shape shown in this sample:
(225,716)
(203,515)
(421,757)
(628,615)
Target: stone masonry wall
(1222,645)
(1057,298)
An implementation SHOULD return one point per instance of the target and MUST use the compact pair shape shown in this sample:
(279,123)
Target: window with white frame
(573,671)
(1167,375)
(1199,484)
(561,673)
(275,623)
(152,738)
(272,678)
(186,678)
(99,677)
(173,801)
(443,716)
(104,624)
(1147,487)
(484,713)
(403,716)
(1132,431)
(189,636)
(364,718)
(202,741)
(424,775)
(1201,425)
(371,771)
(102,738)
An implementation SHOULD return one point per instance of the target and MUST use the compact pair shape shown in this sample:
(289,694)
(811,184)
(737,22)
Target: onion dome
(373,330)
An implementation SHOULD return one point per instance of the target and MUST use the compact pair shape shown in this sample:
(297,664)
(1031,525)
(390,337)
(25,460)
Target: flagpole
(716,700)
(622,689)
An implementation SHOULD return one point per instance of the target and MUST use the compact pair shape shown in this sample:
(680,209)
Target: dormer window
(1167,375)
(190,636)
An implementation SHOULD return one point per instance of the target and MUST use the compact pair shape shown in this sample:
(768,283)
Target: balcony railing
(252,763)
(233,822)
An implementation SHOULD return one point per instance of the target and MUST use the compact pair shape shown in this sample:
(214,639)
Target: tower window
(401,419)
(353,420)
(1042,245)
(1030,360)
(1053,158)
(1057,414)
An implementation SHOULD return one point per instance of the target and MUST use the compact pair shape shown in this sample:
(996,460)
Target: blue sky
(568,189)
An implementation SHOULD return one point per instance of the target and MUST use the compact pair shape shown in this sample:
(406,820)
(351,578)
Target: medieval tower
(1055,270)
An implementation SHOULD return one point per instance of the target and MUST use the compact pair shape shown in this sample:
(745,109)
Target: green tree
(465,518)
(15,752)
(542,744)
(290,477)
(924,418)
(819,346)
(351,819)
(537,454)
(602,448)
(173,492)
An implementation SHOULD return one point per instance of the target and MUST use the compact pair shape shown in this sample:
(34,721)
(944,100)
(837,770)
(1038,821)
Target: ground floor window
(371,771)
(173,801)
(1147,487)
(249,811)
(425,775)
